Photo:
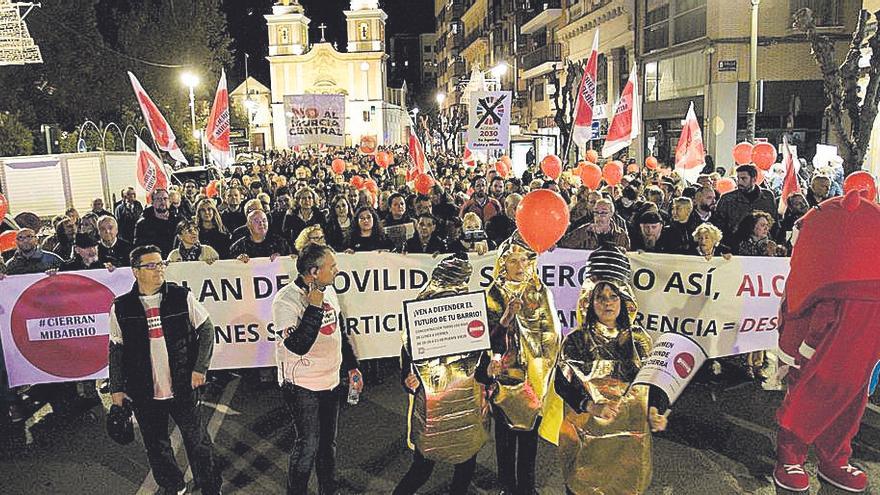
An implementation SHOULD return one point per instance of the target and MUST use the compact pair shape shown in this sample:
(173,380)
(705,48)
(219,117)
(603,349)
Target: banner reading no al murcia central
(315,119)
(55,328)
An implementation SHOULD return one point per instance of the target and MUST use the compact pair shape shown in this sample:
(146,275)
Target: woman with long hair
(303,212)
(211,229)
(339,223)
(753,236)
(366,232)
(605,439)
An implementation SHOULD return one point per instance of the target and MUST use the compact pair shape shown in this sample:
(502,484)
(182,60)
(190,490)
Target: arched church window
(285,35)
(365,30)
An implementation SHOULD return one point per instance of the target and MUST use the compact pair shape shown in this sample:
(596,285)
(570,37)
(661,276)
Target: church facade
(299,67)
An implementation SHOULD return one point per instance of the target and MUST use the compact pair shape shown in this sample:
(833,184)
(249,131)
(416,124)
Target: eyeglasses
(152,266)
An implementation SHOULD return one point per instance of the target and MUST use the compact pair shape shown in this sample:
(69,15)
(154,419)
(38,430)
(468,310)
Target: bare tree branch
(849,73)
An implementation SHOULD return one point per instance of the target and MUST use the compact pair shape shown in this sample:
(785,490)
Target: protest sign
(315,119)
(489,120)
(399,234)
(671,364)
(449,325)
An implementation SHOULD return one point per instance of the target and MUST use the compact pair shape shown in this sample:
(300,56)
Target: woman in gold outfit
(448,412)
(525,335)
(604,441)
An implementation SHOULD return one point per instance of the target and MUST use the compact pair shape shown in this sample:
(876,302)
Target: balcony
(541,61)
(480,33)
(542,14)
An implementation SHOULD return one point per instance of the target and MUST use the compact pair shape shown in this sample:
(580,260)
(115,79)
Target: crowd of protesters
(280,205)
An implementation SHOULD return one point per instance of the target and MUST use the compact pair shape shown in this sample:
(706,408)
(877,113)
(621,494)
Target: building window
(366,116)
(427,48)
(365,30)
(825,12)
(675,77)
(621,60)
(285,35)
(656,24)
(538,91)
(601,79)
(690,20)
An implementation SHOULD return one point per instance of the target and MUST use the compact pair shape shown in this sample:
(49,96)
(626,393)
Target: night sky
(248,27)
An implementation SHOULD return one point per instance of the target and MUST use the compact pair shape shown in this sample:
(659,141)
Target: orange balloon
(7,240)
(742,153)
(551,165)
(370,185)
(725,185)
(338,165)
(424,183)
(862,182)
(632,168)
(383,159)
(4,206)
(507,161)
(591,175)
(612,172)
(592,156)
(357,182)
(764,155)
(502,168)
(542,218)
(211,189)
(651,163)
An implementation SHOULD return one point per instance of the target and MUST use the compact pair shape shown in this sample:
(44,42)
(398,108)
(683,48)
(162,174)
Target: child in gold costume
(604,441)
(525,334)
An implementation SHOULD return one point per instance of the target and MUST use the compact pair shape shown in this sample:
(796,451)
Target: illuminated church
(298,66)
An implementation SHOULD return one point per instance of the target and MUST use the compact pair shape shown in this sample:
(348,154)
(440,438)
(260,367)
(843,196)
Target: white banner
(726,306)
(315,119)
(449,325)
(489,120)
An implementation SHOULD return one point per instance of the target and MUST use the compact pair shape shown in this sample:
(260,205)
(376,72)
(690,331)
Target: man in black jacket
(161,342)
(157,225)
(425,240)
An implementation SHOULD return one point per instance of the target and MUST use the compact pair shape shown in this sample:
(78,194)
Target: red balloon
(502,168)
(211,189)
(4,206)
(764,155)
(338,165)
(592,156)
(591,175)
(632,168)
(651,163)
(551,165)
(612,172)
(862,182)
(760,177)
(384,158)
(507,161)
(370,185)
(542,219)
(357,182)
(742,153)
(424,183)
(7,240)
(725,185)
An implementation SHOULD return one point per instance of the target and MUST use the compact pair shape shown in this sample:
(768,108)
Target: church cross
(322,27)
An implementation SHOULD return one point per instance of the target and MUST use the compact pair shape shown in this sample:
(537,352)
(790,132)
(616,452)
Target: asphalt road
(712,447)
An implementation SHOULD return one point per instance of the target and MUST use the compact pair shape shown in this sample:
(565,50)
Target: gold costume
(598,363)
(524,387)
(448,418)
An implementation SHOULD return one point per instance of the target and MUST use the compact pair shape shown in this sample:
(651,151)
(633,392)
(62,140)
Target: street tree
(850,112)
(564,102)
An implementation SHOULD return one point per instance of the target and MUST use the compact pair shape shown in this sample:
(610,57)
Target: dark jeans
(421,468)
(315,415)
(515,452)
(152,417)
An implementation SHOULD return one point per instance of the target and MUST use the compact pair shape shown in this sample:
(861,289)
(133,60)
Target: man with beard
(480,203)
(425,241)
(28,258)
(113,251)
(500,227)
(648,237)
(157,225)
(704,206)
(85,255)
(232,214)
(602,231)
(796,207)
(191,192)
(738,204)
(497,188)
(127,214)
(679,232)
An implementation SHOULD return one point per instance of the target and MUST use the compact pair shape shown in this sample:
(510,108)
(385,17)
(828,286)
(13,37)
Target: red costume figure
(829,335)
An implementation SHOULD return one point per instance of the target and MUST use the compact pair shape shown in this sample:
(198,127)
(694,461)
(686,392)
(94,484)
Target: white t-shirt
(158,349)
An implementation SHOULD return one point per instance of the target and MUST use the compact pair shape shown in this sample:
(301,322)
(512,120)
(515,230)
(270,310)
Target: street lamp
(441,97)
(191,80)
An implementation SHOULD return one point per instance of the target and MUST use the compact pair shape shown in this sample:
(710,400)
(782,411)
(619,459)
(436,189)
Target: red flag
(790,184)
(218,125)
(151,174)
(626,124)
(159,128)
(417,156)
(586,98)
(468,159)
(690,154)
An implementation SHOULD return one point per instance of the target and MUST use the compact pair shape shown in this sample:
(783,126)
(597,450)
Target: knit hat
(609,263)
(85,241)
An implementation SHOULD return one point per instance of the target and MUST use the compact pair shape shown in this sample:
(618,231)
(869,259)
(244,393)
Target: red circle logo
(59,325)
(476,329)
(328,325)
(684,364)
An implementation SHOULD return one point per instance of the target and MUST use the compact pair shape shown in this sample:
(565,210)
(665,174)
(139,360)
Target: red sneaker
(847,477)
(791,477)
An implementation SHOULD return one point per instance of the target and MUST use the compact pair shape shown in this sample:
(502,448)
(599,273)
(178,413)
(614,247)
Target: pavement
(718,442)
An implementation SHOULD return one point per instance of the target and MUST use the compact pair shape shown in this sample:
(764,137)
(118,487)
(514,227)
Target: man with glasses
(162,374)
(158,224)
(29,258)
(603,231)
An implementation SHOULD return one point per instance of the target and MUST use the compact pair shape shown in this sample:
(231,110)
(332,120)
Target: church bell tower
(288,28)
(366,26)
